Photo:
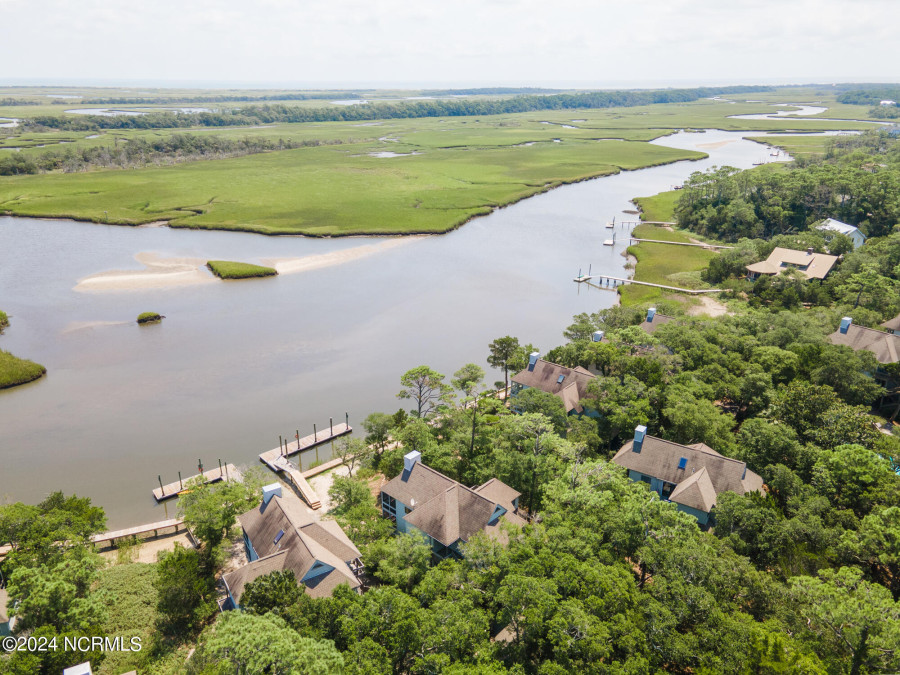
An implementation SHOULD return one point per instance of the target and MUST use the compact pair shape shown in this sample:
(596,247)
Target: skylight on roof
(279,536)
(682,462)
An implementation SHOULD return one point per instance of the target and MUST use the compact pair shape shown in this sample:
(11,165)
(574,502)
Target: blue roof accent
(279,536)
(682,463)
(560,379)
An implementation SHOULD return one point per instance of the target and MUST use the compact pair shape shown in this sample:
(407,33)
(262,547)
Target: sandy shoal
(157,273)
(313,262)
(716,145)
(161,272)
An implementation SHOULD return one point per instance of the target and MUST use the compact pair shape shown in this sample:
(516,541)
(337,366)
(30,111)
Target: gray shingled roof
(304,541)
(696,492)
(660,458)
(545,376)
(892,324)
(448,511)
(885,346)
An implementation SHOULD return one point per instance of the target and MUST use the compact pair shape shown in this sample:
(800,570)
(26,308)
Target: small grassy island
(225,269)
(149,317)
(13,370)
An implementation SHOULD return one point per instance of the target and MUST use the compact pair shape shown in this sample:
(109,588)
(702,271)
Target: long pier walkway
(678,243)
(214,475)
(585,277)
(135,531)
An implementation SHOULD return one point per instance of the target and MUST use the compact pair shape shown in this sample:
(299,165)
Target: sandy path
(708,307)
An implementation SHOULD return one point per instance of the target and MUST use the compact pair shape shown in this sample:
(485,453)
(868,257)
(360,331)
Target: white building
(888,102)
(832,225)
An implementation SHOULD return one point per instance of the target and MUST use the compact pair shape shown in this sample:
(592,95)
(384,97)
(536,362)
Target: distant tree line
(870,96)
(266,114)
(139,152)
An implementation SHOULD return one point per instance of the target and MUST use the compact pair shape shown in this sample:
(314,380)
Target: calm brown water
(236,364)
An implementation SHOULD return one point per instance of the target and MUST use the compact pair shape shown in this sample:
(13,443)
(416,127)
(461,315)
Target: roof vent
(410,459)
(845,324)
(809,251)
(682,463)
(598,336)
(650,314)
(639,433)
(532,360)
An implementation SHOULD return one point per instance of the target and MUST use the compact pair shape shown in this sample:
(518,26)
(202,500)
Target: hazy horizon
(389,44)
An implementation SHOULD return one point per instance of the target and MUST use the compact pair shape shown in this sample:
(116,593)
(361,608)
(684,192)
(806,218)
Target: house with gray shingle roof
(654,320)
(569,384)
(689,476)
(281,535)
(444,511)
(884,345)
(892,325)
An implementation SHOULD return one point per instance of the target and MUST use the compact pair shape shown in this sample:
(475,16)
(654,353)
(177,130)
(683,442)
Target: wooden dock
(586,278)
(677,243)
(170,491)
(307,442)
(137,530)
(279,463)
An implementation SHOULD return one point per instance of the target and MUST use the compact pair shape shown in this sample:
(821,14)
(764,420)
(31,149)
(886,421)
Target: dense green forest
(857,182)
(265,114)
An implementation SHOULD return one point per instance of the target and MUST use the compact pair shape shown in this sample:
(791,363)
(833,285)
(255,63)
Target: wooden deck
(280,464)
(307,442)
(214,475)
(138,530)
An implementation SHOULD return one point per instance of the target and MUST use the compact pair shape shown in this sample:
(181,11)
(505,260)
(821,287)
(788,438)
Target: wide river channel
(235,364)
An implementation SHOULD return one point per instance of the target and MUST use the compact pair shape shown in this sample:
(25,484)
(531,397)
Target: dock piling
(315,433)
(200,466)
(159,478)
(180,484)
(331,425)
(298,439)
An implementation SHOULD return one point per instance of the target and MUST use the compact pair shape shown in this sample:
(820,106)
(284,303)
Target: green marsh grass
(225,269)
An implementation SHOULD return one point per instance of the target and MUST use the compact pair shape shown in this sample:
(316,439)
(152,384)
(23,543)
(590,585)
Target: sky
(408,43)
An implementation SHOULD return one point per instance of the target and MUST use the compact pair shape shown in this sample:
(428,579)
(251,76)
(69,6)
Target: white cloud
(478,41)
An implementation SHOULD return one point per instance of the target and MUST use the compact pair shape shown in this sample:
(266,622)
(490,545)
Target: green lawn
(796,146)
(663,264)
(225,269)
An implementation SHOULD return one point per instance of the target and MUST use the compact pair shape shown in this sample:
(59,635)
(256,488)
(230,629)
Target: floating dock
(277,460)
(170,491)
(307,442)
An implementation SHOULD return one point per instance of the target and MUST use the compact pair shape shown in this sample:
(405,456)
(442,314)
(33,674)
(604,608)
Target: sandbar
(158,273)
(313,262)
(161,272)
